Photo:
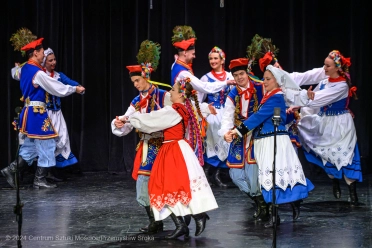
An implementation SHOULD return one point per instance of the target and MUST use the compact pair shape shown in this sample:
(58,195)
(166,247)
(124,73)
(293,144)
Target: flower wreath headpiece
(339,59)
(218,50)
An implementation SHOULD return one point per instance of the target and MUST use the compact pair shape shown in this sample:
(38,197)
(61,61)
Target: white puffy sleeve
(202,96)
(203,87)
(309,77)
(167,101)
(329,95)
(16,73)
(155,120)
(52,85)
(323,97)
(227,122)
(127,128)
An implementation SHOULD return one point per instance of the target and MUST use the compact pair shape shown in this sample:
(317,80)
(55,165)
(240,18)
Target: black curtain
(94,40)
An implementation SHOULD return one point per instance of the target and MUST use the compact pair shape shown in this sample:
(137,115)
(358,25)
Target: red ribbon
(352,90)
(345,61)
(250,90)
(143,102)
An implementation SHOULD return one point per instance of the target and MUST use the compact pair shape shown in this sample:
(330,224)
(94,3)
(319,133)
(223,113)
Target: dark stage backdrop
(95,39)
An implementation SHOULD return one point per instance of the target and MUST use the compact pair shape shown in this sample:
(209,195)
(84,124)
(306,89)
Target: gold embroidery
(47,97)
(39,109)
(237,121)
(255,104)
(157,142)
(47,126)
(153,99)
(137,107)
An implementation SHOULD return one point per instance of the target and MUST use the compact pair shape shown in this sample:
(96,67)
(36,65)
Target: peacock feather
(181,33)
(259,47)
(149,53)
(21,38)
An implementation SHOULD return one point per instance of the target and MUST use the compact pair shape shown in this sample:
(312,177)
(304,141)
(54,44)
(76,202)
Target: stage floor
(100,210)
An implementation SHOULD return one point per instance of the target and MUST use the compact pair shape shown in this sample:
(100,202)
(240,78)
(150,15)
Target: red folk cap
(33,44)
(185,44)
(134,68)
(238,64)
(144,70)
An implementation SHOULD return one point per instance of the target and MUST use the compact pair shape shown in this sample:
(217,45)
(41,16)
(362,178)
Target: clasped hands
(120,121)
(230,135)
(80,89)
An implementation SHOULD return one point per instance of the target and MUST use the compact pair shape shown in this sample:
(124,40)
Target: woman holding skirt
(178,185)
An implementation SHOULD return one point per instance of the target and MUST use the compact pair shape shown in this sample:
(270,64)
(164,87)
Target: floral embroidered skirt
(178,184)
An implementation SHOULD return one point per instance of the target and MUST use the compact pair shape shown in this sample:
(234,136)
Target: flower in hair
(218,50)
(339,59)
(336,56)
(182,83)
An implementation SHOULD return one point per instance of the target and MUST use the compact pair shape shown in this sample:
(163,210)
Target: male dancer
(184,41)
(242,101)
(150,98)
(34,121)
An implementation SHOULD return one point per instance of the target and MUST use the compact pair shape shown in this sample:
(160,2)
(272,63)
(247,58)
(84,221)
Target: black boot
(187,219)
(200,221)
(263,212)
(154,226)
(336,188)
(40,178)
(217,179)
(9,172)
(257,210)
(181,228)
(206,168)
(353,195)
(296,209)
(270,223)
(51,176)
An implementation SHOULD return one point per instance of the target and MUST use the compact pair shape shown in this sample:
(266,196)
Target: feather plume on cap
(181,33)
(22,37)
(259,47)
(149,53)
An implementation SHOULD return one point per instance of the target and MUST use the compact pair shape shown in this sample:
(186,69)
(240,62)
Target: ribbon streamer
(158,83)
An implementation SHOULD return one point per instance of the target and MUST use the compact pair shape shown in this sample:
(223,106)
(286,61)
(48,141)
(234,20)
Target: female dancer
(177,185)
(216,147)
(64,156)
(291,186)
(327,129)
